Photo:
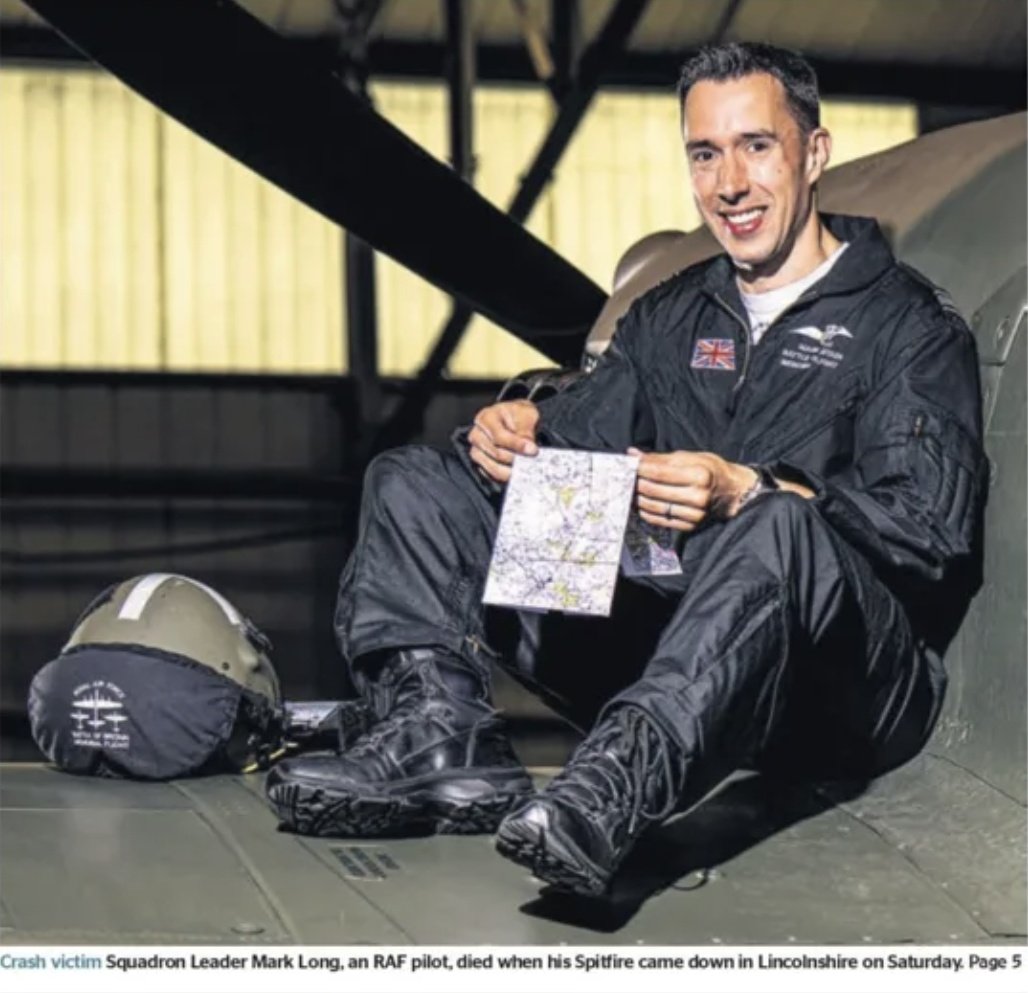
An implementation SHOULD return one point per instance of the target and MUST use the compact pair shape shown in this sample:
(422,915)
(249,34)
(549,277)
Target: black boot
(440,761)
(575,833)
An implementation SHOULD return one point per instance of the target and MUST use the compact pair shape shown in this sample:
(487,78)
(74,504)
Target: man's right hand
(500,432)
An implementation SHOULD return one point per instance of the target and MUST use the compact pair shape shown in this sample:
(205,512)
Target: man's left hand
(680,490)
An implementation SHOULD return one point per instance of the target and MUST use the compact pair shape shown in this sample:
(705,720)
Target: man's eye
(759,146)
(701,157)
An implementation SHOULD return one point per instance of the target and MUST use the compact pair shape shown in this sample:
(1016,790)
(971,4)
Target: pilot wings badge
(823,336)
(820,349)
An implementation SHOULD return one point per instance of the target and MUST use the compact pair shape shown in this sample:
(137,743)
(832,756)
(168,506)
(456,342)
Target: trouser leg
(787,651)
(576,663)
(436,755)
(417,571)
(784,651)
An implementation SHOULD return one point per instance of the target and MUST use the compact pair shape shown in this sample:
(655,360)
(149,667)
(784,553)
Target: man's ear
(819,152)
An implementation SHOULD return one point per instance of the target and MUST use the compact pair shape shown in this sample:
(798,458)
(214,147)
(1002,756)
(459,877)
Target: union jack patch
(714,353)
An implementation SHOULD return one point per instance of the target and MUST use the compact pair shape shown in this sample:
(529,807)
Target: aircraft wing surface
(92,861)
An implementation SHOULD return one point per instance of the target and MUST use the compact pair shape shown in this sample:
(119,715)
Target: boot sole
(562,866)
(444,807)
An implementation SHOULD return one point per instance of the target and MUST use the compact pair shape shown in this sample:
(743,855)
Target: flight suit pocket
(945,461)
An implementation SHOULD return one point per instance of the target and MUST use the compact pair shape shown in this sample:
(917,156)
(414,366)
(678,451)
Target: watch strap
(764,483)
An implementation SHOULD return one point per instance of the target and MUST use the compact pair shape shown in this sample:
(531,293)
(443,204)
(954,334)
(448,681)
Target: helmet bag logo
(97,710)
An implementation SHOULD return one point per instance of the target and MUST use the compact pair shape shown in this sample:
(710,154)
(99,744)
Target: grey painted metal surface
(957,831)
(983,725)
(200,862)
(973,244)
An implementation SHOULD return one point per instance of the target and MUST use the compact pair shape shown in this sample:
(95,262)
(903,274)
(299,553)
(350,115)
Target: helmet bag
(161,677)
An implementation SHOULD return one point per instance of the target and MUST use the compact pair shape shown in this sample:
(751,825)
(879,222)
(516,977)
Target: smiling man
(755,152)
(807,416)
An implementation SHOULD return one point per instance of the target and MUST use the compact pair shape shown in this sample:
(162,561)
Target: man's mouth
(742,223)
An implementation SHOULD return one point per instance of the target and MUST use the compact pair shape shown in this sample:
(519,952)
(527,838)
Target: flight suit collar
(868,256)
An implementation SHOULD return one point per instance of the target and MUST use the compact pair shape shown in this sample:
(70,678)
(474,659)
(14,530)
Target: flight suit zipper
(746,349)
(804,298)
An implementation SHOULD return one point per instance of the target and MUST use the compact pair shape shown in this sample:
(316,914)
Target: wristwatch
(764,483)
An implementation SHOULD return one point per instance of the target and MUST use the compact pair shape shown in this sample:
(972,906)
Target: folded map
(561,532)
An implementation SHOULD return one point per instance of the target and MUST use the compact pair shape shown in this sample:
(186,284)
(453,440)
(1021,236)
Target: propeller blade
(235,82)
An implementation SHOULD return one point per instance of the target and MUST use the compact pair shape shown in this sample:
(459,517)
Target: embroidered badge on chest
(815,347)
(713,353)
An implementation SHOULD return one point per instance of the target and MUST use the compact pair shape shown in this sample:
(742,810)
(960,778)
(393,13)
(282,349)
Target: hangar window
(129,243)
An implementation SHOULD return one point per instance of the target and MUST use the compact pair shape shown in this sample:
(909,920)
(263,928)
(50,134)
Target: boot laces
(625,766)
(411,693)
(373,738)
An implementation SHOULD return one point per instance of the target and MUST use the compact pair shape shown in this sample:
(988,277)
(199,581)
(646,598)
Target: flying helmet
(161,677)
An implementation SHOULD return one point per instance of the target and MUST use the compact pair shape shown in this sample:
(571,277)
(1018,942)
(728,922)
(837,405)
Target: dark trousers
(777,647)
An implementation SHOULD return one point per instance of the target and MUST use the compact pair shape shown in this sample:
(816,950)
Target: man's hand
(680,490)
(501,432)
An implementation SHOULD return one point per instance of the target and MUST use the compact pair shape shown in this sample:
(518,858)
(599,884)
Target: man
(807,415)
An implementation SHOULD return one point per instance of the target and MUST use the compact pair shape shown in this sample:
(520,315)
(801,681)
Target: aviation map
(561,532)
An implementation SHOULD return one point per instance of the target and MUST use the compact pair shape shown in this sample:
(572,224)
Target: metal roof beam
(460,76)
(968,86)
(724,22)
(930,83)
(566,23)
(537,47)
(963,85)
(353,22)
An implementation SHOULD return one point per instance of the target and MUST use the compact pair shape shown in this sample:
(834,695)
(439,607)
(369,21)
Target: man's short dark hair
(735,59)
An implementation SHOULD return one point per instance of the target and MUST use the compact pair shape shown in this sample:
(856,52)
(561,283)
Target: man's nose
(732,181)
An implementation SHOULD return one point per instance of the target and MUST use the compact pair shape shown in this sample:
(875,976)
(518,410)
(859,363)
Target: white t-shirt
(763,308)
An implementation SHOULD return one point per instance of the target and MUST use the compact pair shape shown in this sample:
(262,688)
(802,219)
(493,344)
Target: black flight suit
(803,634)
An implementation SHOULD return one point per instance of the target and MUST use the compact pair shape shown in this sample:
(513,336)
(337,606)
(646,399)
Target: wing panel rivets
(246,927)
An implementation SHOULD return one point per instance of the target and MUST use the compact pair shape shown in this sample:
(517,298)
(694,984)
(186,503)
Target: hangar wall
(129,243)
(237,480)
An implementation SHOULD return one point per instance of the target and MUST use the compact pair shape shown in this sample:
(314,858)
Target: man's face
(752,170)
